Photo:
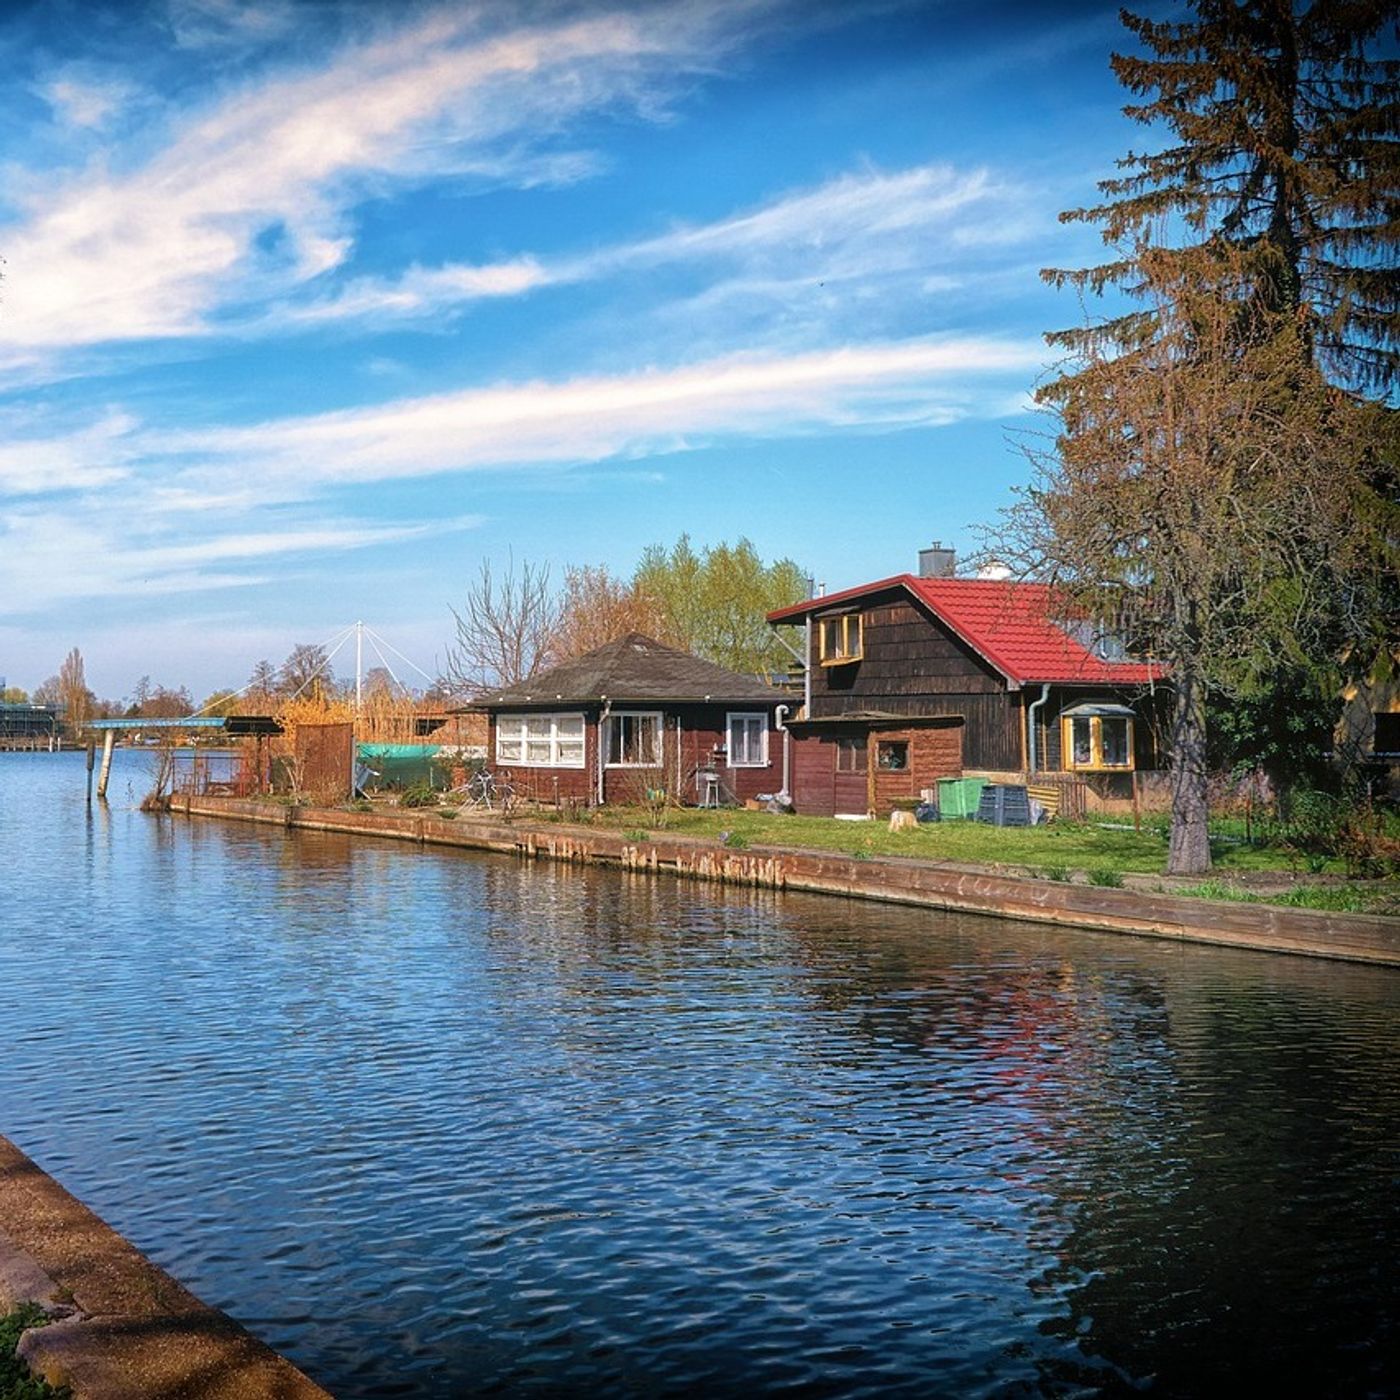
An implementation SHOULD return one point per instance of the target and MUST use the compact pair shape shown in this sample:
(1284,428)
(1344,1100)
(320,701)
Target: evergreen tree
(1285,125)
(1208,481)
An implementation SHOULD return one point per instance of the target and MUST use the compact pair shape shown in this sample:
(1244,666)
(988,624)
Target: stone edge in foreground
(123,1329)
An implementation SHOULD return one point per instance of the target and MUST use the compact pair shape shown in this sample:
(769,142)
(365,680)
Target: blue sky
(309,307)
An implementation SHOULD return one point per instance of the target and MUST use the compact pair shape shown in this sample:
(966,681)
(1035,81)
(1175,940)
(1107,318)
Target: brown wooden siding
(934,753)
(818,790)
(912,664)
(702,734)
(906,652)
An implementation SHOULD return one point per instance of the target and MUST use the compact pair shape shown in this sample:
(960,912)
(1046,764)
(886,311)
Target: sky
(309,307)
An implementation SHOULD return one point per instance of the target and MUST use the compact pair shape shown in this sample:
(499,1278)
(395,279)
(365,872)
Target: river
(441,1124)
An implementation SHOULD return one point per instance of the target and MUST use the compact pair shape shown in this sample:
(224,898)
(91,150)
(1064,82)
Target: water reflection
(437,1124)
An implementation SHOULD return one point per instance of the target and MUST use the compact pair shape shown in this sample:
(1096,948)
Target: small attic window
(840,639)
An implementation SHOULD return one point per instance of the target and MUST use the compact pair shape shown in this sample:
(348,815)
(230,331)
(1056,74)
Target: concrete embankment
(123,1328)
(1366,938)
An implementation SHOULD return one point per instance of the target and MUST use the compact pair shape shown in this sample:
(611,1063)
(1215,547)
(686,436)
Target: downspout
(780,714)
(602,740)
(1031,755)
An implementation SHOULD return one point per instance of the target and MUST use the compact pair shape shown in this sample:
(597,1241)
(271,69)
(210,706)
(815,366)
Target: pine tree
(1286,146)
(1218,478)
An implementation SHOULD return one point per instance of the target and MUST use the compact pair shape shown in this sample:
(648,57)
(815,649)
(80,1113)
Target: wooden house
(636,716)
(917,677)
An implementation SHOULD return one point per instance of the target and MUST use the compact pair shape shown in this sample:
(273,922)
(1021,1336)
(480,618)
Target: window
(540,741)
(1387,738)
(1098,741)
(634,740)
(747,738)
(892,755)
(851,755)
(839,639)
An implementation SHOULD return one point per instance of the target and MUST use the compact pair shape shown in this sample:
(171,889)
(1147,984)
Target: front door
(852,787)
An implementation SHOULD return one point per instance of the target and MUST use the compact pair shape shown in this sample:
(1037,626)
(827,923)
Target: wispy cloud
(155,250)
(859,226)
(92,554)
(150,510)
(591,418)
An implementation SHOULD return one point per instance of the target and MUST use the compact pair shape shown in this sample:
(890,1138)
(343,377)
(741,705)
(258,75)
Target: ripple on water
(437,1124)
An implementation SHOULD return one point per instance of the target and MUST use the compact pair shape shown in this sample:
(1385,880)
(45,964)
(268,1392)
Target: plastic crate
(1004,805)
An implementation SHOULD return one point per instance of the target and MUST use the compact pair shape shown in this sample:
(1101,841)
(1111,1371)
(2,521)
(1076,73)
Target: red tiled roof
(1007,623)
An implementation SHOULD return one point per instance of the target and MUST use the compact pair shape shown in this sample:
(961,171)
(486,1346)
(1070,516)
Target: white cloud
(87,104)
(856,227)
(92,552)
(592,418)
(152,252)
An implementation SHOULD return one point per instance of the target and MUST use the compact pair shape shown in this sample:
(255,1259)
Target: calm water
(445,1125)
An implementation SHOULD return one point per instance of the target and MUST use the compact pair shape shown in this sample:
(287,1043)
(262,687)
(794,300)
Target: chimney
(936,562)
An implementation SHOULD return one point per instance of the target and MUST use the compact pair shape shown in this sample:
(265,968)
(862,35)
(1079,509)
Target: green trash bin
(958,798)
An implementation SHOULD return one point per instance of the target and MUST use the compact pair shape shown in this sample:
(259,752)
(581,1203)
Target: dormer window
(839,639)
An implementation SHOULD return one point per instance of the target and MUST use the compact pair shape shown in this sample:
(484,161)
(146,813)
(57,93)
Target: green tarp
(400,765)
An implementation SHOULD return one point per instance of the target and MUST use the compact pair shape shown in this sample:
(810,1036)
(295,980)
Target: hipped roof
(1011,624)
(632,669)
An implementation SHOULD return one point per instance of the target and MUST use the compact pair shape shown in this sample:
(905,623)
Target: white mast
(359,664)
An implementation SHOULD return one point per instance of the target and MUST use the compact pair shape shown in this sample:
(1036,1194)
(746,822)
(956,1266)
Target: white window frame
(761,716)
(660,721)
(520,723)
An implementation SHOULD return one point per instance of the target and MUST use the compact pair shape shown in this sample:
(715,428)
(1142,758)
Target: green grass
(15,1381)
(1381,897)
(1059,846)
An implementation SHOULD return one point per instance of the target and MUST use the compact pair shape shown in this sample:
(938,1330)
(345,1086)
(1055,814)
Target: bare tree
(306,671)
(73,693)
(506,628)
(597,607)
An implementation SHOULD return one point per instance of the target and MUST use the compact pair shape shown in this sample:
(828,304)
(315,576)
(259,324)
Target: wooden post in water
(109,739)
(91,755)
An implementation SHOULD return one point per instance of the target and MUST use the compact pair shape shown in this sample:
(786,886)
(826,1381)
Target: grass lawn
(1060,845)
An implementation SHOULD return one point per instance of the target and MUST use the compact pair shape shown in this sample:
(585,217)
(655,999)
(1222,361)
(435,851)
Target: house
(924,676)
(632,717)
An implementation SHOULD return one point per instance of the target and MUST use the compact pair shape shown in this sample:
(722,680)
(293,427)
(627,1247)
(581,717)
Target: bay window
(1098,738)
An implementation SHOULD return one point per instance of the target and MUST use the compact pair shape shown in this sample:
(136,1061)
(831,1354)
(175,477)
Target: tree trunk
(1189,850)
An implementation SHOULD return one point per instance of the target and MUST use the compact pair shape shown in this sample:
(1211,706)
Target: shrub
(420,795)
(1109,879)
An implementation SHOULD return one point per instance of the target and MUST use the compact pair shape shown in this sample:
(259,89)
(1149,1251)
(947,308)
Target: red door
(852,776)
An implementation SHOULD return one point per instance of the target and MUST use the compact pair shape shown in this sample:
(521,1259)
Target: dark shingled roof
(631,668)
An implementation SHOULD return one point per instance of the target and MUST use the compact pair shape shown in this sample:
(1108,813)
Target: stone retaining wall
(1365,938)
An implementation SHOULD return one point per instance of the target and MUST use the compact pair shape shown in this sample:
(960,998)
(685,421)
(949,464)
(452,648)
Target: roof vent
(937,562)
